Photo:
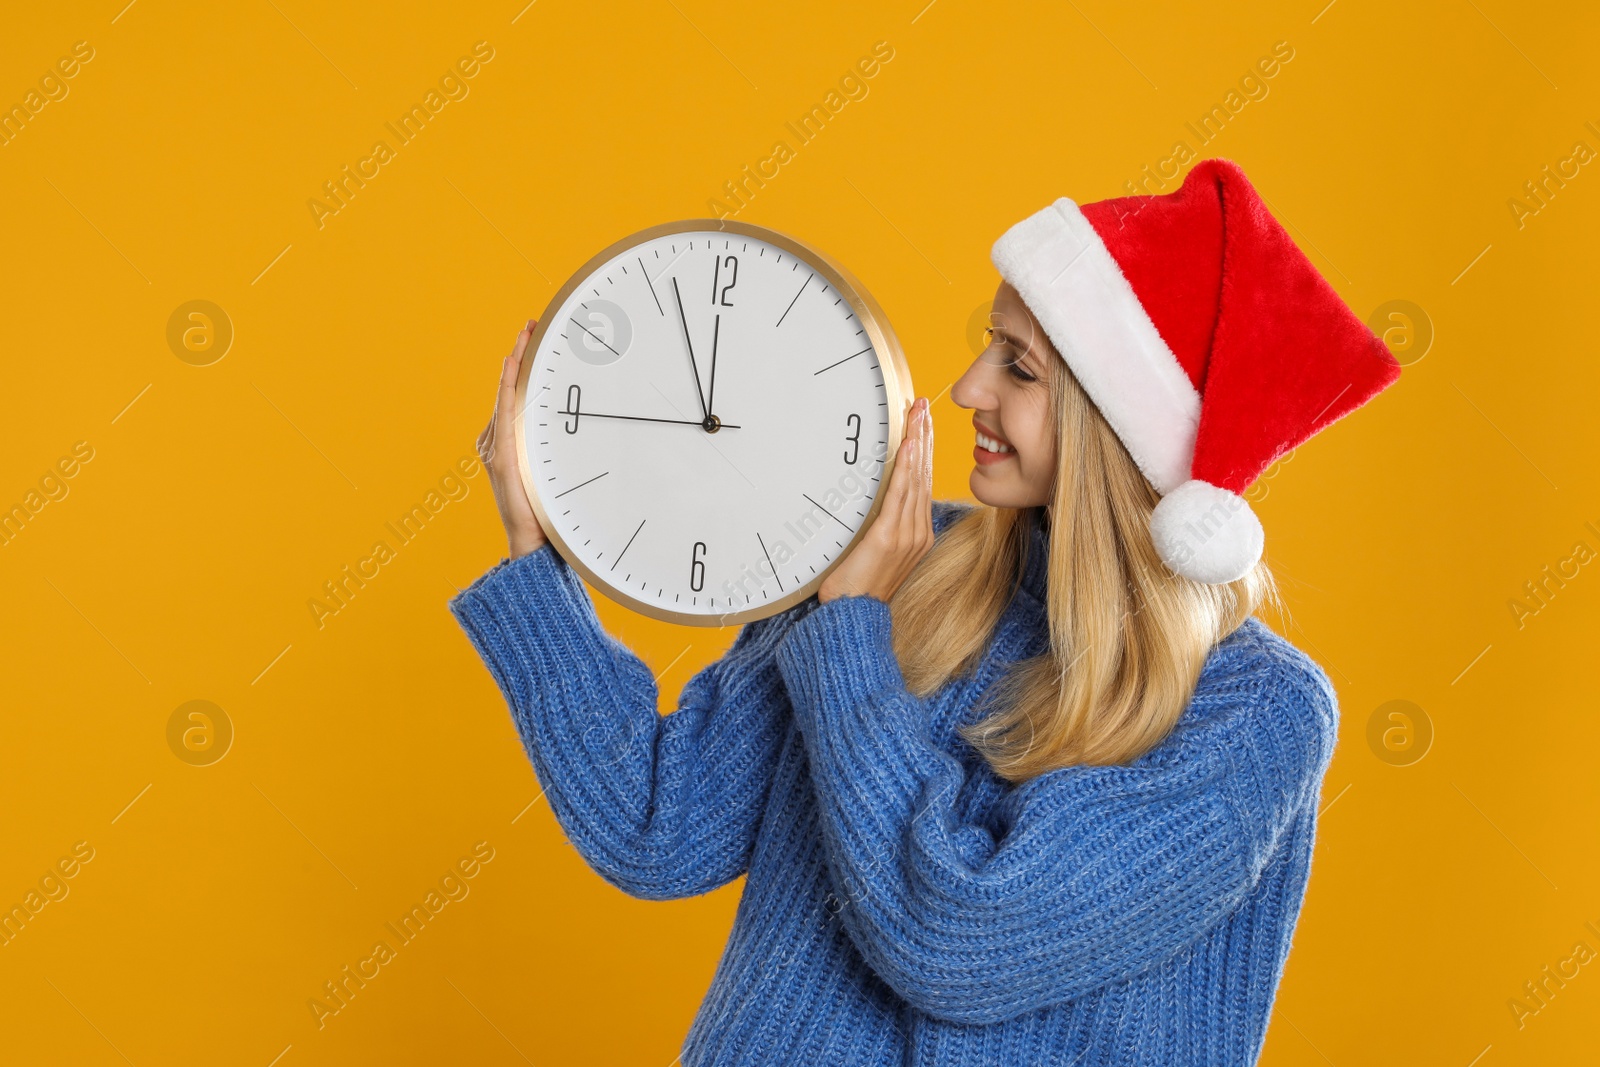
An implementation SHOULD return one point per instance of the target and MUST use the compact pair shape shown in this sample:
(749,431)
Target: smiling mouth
(992,445)
(989,451)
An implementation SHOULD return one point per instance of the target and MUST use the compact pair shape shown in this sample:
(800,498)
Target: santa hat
(1207,340)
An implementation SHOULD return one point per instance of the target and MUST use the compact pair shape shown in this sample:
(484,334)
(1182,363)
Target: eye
(998,339)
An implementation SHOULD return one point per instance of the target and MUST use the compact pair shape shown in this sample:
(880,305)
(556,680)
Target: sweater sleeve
(1092,873)
(660,806)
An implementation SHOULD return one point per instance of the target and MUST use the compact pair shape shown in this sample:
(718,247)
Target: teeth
(989,444)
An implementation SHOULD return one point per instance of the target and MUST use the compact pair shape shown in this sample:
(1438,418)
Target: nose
(975,388)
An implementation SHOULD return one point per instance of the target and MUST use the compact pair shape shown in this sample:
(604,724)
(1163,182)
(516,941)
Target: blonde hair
(1128,637)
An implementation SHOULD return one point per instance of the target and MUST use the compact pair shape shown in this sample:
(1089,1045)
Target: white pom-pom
(1206,533)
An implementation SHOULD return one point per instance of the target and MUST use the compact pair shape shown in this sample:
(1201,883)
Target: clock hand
(647,418)
(711,391)
(698,392)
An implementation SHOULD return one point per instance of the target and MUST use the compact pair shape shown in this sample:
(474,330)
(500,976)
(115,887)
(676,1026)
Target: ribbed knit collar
(1037,567)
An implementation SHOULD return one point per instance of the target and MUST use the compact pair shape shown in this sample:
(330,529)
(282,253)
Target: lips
(990,441)
(991,448)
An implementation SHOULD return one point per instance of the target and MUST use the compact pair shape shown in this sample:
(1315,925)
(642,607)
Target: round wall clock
(706,412)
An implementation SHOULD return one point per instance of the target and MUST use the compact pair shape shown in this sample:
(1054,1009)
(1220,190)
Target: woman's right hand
(497,447)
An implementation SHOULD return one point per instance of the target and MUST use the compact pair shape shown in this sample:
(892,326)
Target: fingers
(908,475)
(508,376)
(891,515)
(487,441)
(897,527)
(902,532)
(505,397)
(925,482)
(920,468)
(523,336)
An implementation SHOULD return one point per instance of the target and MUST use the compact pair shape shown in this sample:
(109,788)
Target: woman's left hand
(902,533)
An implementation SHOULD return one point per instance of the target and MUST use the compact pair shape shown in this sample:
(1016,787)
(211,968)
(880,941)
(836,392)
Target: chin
(986,491)
(1000,494)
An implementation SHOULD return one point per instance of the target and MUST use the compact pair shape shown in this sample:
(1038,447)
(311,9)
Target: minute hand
(684,322)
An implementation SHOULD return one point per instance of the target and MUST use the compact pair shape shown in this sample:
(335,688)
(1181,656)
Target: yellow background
(371,754)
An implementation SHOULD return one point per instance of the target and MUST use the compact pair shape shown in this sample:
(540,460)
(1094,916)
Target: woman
(1026,782)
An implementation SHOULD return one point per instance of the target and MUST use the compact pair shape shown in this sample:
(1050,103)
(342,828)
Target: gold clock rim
(897,388)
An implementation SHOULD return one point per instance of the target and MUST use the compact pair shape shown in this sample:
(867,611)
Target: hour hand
(573,428)
(711,390)
(575,413)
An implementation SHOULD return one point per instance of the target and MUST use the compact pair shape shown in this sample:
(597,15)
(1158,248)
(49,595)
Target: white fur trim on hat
(1063,272)
(1206,533)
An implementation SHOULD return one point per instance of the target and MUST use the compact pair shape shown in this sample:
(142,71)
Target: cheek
(1037,469)
(1039,441)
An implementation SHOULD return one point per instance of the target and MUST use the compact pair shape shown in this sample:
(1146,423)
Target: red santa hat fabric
(1206,338)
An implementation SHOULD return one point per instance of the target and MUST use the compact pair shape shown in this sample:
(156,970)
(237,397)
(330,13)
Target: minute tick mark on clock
(648,282)
(846,359)
(625,547)
(581,484)
(596,336)
(830,514)
(802,289)
(770,567)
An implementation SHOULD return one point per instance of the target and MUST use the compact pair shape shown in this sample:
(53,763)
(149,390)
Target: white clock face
(705,423)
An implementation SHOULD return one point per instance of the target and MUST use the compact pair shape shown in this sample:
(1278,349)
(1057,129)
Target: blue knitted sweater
(903,905)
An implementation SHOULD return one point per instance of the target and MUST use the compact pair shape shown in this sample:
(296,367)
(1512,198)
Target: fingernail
(530,325)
